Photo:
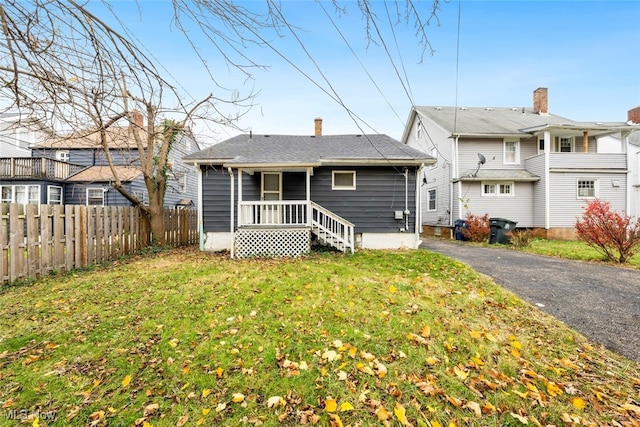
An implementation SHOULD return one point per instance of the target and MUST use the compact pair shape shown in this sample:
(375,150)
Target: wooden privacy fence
(36,240)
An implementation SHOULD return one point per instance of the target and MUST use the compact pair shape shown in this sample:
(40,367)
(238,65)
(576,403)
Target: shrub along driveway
(599,301)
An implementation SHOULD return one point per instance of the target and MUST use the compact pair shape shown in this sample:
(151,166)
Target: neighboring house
(16,138)
(75,168)
(268,194)
(521,164)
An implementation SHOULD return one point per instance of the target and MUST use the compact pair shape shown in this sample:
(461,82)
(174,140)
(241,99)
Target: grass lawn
(375,338)
(573,250)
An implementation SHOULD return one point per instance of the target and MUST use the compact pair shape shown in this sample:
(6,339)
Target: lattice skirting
(272,242)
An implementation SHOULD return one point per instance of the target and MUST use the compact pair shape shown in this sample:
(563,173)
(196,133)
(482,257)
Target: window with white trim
(343,180)
(434,154)
(431,200)
(95,196)
(511,152)
(565,144)
(62,155)
(54,196)
(587,188)
(22,194)
(500,189)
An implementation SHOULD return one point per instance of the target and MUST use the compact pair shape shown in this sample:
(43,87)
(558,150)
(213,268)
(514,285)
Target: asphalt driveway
(600,302)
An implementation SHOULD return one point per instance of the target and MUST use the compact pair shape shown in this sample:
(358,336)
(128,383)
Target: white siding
(518,207)
(535,165)
(565,207)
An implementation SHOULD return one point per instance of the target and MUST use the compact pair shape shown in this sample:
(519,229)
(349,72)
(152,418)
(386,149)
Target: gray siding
(565,207)
(535,165)
(76,194)
(439,176)
(518,207)
(370,207)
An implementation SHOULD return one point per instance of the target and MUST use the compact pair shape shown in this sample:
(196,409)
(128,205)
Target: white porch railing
(286,213)
(332,229)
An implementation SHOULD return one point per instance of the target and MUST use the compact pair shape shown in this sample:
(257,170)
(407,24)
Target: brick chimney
(137,119)
(541,100)
(318,126)
(633,115)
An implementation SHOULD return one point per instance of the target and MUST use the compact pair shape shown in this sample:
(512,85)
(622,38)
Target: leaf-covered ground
(185,338)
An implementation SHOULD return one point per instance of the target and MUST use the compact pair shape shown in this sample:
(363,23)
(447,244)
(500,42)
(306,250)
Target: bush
(521,238)
(477,228)
(616,236)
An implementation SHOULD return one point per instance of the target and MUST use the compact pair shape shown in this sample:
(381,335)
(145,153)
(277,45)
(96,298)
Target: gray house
(519,163)
(80,162)
(270,194)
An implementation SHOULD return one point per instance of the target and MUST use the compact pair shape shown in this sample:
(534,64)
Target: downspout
(200,215)
(418,194)
(231,231)
(454,174)
(547,177)
(406,199)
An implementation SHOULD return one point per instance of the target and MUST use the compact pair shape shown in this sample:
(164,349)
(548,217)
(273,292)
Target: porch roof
(309,151)
(516,175)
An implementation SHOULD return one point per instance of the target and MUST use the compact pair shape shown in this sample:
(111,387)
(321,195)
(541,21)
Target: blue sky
(587,53)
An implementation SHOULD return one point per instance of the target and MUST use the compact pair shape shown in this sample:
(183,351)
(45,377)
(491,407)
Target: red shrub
(477,228)
(616,236)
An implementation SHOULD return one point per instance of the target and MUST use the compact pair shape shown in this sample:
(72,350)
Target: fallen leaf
(206,392)
(400,413)
(346,406)
(182,421)
(330,405)
(150,409)
(520,418)
(475,407)
(126,381)
(275,401)
(578,402)
(237,397)
(382,414)
(460,373)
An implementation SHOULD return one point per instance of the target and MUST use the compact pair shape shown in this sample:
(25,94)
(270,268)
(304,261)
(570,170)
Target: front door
(271,190)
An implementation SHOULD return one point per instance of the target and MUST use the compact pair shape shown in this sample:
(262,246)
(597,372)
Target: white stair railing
(332,229)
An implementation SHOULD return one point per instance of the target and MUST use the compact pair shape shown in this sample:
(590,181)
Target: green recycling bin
(500,228)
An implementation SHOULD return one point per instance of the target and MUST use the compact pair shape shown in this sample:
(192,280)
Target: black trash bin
(500,228)
(458,226)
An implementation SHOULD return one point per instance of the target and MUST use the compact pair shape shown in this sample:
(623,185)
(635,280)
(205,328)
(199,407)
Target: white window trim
(496,188)
(333,180)
(572,141)
(595,189)
(435,200)
(49,187)
(62,155)
(35,201)
(516,154)
(95,188)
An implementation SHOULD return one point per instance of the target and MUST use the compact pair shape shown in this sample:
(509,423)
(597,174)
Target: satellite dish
(482,159)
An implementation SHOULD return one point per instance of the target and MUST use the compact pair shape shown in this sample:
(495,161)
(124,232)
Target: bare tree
(74,72)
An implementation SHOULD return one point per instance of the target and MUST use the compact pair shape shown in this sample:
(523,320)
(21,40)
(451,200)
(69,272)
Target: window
(62,155)
(343,180)
(511,152)
(541,145)
(23,194)
(587,189)
(431,200)
(55,195)
(95,196)
(497,189)
(566,144)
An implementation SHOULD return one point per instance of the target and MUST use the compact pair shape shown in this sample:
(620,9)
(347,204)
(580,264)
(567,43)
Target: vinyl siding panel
(588,161)
(518,207)
(370,207)
(76,194)
(439,176)
(565,206)
(535,165)
(216,194)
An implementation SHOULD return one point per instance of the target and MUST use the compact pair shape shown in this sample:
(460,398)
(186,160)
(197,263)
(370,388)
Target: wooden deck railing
(36,167)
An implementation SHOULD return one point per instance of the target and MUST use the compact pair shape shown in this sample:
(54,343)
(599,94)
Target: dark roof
(104,174)
(299,150)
